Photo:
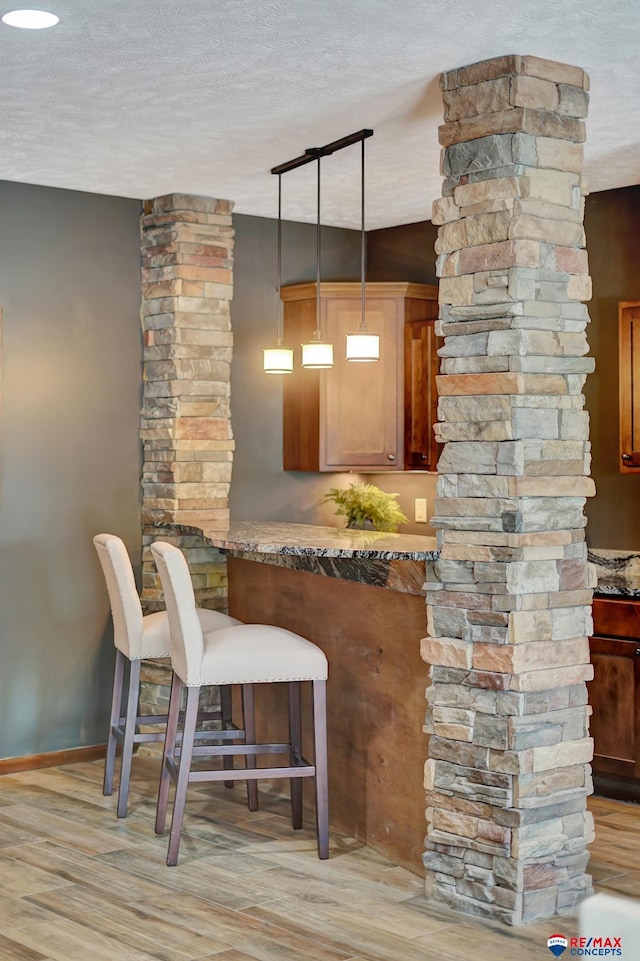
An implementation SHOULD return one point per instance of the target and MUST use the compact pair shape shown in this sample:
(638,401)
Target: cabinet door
(360,427)
(613,695)
(421,365)
(629,385)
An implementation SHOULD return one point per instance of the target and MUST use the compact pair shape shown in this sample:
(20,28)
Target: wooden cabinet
(352,417)
(614,695)
(629,385)
(421,366)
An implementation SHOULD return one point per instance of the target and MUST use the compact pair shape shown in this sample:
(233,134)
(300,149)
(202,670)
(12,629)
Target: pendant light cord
(279,327)
(363,246)
(318,328)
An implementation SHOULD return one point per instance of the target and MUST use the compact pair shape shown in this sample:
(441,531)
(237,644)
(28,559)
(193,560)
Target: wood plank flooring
(76,883)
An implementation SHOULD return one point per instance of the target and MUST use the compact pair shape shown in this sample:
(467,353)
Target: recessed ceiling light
(30,19)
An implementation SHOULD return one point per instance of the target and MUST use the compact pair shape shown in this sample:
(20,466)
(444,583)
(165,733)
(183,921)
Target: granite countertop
(267,537)
(618,572)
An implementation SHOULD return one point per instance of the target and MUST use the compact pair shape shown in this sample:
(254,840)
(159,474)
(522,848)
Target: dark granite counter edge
(401,576)
(612,590)
(255,546)
(385,569)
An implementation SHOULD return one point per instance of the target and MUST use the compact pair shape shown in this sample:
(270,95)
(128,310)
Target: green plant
(365,505)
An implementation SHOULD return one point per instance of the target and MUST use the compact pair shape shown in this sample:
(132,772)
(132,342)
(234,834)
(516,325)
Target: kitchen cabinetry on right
(629,384)
(363,416)
(421,366)
(614,695)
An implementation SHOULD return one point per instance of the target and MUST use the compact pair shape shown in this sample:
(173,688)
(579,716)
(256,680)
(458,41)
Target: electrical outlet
(420,510)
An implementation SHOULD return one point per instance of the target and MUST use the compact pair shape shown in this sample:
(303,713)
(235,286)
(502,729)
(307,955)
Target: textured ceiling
(149,97)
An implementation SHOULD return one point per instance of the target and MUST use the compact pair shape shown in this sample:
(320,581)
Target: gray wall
(403,253)
(70,455)
(408,485)
(260,489)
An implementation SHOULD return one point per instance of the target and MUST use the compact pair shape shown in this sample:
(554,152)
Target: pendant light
(278,359)
(317,353)
(362,346)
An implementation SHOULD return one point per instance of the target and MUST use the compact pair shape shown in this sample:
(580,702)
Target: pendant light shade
(362,346)
(317,354)
(278,359)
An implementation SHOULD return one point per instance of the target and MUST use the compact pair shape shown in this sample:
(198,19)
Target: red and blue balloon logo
(557,943)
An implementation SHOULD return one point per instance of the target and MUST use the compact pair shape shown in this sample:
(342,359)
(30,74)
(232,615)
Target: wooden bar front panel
(376,704)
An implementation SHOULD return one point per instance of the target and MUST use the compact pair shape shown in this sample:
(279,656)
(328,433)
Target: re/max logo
(595,943)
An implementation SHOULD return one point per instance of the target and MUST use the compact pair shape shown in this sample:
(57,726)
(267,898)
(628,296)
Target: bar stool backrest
(126,609)
(187,645)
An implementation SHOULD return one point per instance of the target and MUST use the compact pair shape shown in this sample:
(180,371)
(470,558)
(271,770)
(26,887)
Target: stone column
(509,600)
(187,286)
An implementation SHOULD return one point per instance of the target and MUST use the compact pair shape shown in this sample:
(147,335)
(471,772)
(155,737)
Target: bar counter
(394,561)
(272,537)
(359,596)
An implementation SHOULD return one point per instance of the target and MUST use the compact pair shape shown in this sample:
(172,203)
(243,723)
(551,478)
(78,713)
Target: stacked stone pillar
(509,599)
(187,286)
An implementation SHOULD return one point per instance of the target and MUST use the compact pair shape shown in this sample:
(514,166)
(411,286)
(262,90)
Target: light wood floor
(77,884)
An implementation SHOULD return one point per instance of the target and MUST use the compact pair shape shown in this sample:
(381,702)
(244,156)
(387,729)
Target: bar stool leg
(168,753)
(226,724)
(249,722)
(321,778)
(184,769)
(114,721)
(129,733)
(295,753)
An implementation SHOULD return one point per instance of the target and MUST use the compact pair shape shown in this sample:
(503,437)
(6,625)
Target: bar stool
(247,654)
(137,637)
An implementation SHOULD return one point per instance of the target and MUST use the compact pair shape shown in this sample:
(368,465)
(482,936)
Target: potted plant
(367,507)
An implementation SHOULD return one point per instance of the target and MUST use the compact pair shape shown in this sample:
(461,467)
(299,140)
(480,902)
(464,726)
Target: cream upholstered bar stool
(246,654)
(137,637)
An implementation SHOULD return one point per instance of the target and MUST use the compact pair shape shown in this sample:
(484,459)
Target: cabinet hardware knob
(627,457)
(391,456)
(423,456)
(637,650)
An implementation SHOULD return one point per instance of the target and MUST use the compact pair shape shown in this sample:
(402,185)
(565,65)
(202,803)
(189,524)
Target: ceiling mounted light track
(318,353)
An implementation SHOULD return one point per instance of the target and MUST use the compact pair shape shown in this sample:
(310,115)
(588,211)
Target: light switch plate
(420,510)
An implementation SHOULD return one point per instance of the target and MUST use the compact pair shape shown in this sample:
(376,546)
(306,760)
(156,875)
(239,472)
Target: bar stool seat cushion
(155,630)
(257,653)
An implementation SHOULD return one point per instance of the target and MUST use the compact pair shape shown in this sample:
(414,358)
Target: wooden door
(615,723)
(360,402)
(629,385)
(421,365)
